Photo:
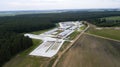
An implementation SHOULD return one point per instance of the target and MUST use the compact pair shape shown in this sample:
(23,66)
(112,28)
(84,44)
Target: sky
(8,5)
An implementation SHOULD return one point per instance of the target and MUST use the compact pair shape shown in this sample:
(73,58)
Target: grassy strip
(83,27)
(73,35)
(65,44)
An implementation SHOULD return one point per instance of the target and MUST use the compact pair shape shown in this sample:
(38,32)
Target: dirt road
(102,37)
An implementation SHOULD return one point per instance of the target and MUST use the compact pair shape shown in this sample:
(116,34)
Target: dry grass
(27,61)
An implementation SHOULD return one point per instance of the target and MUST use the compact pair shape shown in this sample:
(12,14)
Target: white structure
(47,48)
(51,45)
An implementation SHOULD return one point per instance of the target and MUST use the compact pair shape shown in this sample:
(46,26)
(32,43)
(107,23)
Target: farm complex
(54,39)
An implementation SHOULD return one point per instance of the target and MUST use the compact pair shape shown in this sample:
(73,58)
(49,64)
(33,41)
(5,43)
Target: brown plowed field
(91,51)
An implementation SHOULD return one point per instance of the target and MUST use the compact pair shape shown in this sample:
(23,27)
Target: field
(91,51)
(106,32)
(27,61)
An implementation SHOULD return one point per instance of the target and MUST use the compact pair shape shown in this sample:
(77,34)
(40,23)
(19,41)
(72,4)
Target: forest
(12,40)
(103,22)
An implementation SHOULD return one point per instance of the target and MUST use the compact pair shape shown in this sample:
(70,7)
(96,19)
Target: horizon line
(57,9)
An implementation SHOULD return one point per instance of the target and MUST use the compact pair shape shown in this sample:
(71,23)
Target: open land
(87,51)
(91,51)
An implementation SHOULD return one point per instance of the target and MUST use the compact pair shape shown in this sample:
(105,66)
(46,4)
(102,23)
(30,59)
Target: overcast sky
(56,4)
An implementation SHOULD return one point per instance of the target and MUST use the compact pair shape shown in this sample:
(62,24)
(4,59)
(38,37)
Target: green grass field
(109,33)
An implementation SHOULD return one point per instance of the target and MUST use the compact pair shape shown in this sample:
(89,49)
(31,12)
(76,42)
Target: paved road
(60,54)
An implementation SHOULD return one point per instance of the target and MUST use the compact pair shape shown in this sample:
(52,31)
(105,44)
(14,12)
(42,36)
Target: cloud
(57,4)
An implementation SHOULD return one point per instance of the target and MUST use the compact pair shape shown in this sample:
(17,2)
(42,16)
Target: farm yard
(53,39)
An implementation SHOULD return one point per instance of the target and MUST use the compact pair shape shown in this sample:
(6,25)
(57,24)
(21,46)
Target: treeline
(106,23)
(34,22)
(12,41)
